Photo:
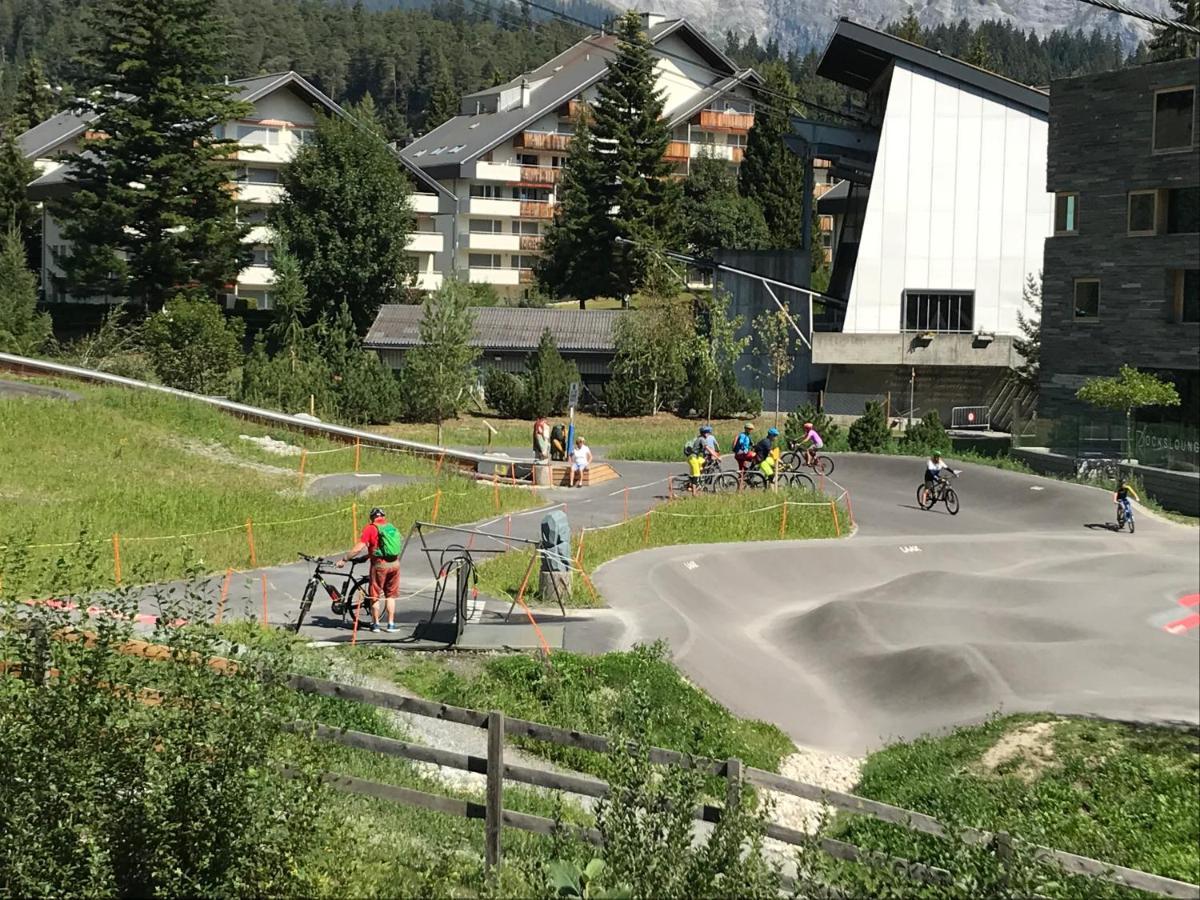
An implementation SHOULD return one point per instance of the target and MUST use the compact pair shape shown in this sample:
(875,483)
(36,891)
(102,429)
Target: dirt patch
(270,445)
(219,453)
(1025,752)
(831,771)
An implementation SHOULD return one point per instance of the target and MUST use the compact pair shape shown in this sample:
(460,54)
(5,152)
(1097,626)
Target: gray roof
(505,328)
(857,56)
(566,76)
(58,129)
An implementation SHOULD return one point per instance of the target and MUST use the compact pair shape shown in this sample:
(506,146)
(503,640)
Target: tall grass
(149,466)
(749,516)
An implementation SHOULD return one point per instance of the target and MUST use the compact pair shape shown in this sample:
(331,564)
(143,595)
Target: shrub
(548,380)
(927,436)
(193,346)
(505,393)
(870,432)
(793,427)
(286,383)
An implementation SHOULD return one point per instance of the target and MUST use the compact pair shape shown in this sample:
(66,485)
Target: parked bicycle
(940,492)
(348,594)
(796,457)
(1124,517)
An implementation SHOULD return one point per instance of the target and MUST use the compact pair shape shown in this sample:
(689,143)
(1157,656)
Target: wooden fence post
(783,520)
(353,522)
(495,789)
(250,542)
(888,407)
(495,492)
(733,783)
(437,473)
(303,460)
(626,504)
(646,531)
(264,599)
(1002,846)
(117,557)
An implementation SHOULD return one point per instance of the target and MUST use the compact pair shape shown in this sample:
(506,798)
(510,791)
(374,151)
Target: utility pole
(912,380)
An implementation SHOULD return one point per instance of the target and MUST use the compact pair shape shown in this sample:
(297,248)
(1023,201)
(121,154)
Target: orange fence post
(783,520)
(224,594)
(837,528)
(579,549)
(495,492)
(670,487)
(512,472)
(250,541)
(117,557)
(303,460)
(437,472)
(264,598)
(646,531)
(626,504)
(353,521)
(850,508)
(437,502)
(357,453)
(508,526)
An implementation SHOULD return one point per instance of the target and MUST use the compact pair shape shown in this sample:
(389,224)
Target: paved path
(1026,600)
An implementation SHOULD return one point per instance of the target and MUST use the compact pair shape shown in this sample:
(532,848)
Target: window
(485,226)
(484,261)
(426,225)
(565,128)
(264,256)
(1143,212)
(258,176)
(306,135)
(525,226)
(524,262)
(252,215)
(254,299)
(263,135)
(945,311)
(489,191)
(528,159)
(1183,210)
(540,195)
(1174,118)
(557,162)
(1087,299)
(1064,213)
(1186,285)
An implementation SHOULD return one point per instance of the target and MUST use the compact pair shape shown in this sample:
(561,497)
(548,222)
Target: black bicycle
(712,480)
(348,595)
(754,478)
(941,491)
(796,457)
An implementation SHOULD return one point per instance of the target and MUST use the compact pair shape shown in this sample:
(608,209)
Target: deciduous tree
(775,342)
(193,346)
(1129,390)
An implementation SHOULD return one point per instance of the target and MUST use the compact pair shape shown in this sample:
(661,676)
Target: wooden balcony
(531,242)
(677,151)
(524,276)
(535,176)
(711,120)
(739,153)
(536,209)
(542,140)
(576,108)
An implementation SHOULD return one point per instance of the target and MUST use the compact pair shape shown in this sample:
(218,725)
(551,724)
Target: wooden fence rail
(497,771)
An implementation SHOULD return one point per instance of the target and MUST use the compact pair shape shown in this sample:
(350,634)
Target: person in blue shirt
(743,447)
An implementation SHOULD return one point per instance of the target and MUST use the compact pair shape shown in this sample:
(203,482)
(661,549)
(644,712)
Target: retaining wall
(1178,491)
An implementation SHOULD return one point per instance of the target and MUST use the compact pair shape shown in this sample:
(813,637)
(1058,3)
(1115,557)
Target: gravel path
(830,771)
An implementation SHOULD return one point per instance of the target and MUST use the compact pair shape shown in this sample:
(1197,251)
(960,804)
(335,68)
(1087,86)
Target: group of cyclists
(704,453)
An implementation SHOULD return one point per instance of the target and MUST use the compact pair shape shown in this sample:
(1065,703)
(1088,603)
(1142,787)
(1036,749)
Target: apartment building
(1121,282)
(281,121)
(502,156)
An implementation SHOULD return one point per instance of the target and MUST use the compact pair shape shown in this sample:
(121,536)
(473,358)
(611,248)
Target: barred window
(946,311)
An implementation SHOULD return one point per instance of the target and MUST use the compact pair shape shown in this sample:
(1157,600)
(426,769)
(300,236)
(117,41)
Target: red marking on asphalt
(1179,626)
(95,611)
(1190,600)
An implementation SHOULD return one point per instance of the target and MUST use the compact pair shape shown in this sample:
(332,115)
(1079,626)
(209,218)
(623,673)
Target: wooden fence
(497,771)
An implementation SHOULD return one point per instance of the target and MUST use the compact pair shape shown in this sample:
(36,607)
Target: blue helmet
(706,429)
(772,432)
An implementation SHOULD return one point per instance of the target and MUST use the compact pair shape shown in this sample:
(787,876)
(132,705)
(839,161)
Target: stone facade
(1101,149)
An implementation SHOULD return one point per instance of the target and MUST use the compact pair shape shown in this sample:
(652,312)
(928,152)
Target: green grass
(652,438)
(146,465)
(1118,793)
(587,693)
(709,519)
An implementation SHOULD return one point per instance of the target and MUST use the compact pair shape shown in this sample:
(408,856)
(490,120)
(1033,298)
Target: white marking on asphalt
(911,548)
(691,564)
(1037,487)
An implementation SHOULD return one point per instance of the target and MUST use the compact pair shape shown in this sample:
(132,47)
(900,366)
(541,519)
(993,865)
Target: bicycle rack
(466,584)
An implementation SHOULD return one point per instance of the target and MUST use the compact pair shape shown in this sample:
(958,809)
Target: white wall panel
(958,202)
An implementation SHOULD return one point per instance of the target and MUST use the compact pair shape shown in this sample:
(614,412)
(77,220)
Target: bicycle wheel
(755,480)
(1129,522)
(791,460)
(727,482)
(358,600)
(797,480)
(310,591)
(925,498)
(951,500)
(680,484)
(824,466)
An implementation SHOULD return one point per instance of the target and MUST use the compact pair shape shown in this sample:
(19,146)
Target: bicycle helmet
(772,432)
(706,429)
(377,513)
(749,426)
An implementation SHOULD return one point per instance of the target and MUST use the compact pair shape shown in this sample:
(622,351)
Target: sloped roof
(561,78)
(58,129)
(505,328)
(857,56)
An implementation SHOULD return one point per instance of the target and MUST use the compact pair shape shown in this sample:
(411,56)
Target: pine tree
(715,216)
(909,28)
(358,255)
(287,334)
(438,374)
(1171,43)
(150,213)
(548,379)
(1029,344)
(35,100)
(23,330)
(441,100)
(771,174)
(980,54)
(15,174)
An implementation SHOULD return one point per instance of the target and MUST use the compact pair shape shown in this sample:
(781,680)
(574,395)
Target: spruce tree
(23,330)
(715,216)
(287,334)
(15,174)
(1171,43)
(150,213)
(548,379)
(438,373)
(346,216)
(771,174)
(1029,343)
(909,28)
(35,100)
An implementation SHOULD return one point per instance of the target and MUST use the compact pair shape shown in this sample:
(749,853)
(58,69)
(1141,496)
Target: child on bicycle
(814,442)
(766,453)
(934,467)
(1121,497)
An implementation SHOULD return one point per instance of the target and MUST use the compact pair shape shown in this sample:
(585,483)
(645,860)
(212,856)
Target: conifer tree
(150,213)
(909,28)
(771,174)
(438,373)
(35,100)
(287,333)
(1171,43)
(15,174)
(23,330)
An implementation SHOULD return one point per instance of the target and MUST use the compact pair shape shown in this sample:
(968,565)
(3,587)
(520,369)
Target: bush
(505,393)
(548,380)
(129,365)
(288,384)
(926,437)
(793,427)
(870,432)
(193,346)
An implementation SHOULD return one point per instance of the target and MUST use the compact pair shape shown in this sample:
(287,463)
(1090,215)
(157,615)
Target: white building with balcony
(503,154)
(281,121)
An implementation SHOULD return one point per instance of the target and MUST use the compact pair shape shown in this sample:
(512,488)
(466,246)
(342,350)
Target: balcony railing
(711,120)
(677,150)
(531,242)
(525,276)
(542,140)
(539,175)
(577,107)
(536,209)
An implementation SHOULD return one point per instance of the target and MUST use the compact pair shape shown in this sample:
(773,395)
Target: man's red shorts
(385,580)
